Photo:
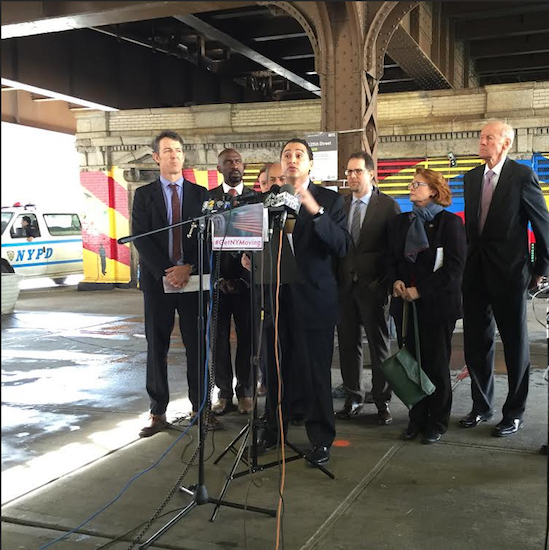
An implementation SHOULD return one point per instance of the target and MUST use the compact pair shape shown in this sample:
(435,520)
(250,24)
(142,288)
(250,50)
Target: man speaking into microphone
(308,305)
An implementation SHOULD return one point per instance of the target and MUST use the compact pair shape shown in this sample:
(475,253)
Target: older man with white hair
(501,198)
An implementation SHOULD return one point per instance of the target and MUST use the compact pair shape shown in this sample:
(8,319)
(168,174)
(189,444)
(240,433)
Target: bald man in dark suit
(501,198)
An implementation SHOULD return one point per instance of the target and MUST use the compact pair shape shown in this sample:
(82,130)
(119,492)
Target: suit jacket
(149,213)
(368,259)
(440,290)
(501,252)
(318,242)
(230,263)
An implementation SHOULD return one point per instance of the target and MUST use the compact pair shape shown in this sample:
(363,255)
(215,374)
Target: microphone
(286,198)
(255,198)
(216,205)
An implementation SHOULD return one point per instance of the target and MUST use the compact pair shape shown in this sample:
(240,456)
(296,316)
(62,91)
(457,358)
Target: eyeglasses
(415,184)
(358,172)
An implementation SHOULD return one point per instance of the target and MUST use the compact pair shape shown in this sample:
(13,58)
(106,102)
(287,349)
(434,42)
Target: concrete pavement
(73,401)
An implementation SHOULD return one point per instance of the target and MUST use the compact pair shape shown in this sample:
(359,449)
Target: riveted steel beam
(30,18)
(415,62)
(215,34)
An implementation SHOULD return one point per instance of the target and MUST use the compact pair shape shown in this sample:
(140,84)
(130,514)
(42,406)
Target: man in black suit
(364,288)
(234,302)
(308,306)
(501,197)
(168,258)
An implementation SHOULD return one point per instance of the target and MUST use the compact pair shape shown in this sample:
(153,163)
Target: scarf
(416,238)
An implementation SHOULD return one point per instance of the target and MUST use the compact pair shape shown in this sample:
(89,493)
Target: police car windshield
(6,217)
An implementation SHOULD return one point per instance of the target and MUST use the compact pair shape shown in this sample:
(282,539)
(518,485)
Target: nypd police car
(42,243)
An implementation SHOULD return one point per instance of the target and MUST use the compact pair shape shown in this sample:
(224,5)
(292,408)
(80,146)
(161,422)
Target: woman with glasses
(427,250)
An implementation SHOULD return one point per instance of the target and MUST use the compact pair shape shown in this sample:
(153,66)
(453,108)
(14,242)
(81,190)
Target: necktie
(486,199)
(232,192)
(356,222)
(176,217)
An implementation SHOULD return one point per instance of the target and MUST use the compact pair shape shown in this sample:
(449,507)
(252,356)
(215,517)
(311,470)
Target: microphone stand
(254,423)
(199,493)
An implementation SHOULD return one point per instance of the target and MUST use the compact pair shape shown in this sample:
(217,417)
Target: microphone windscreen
(274,189)
(288,188)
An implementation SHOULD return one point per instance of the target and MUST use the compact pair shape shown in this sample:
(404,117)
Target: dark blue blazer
(149,213)
(318,243)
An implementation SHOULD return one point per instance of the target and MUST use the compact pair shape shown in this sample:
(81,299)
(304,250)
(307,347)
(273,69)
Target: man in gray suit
(363,289)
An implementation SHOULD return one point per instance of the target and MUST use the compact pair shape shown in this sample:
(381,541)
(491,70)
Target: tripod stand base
(200,497)
(250,428)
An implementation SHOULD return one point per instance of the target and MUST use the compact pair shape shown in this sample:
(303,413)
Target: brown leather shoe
(211,421)
(223,406)
(384,417)
(158,424)
(245,405)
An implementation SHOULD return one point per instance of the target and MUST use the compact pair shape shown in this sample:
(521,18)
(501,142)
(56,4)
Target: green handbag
(403,373)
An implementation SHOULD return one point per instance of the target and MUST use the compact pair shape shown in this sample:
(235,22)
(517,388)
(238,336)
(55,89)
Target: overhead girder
(215,34)
(505,78)
(30,18)
(488,10)
(538,61)
(508,46)
(415,62)
(510,25)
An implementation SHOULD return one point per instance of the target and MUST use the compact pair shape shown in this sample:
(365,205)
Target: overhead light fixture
(55,95)
(310,73)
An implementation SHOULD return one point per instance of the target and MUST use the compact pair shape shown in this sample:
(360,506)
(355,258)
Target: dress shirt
(365,200)
(239,188)
(497,171)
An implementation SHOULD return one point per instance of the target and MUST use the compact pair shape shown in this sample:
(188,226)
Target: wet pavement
(73,401)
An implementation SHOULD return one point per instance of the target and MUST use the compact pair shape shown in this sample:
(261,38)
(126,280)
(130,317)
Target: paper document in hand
(192,286)
(439,259)
(241,228)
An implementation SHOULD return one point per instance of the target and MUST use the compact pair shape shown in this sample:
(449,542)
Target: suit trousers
(362,308)
(160,311)
(481,312)
(435,341)
(235,306)
(305,358)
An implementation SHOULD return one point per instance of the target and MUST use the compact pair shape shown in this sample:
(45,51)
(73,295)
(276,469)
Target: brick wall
(429,122)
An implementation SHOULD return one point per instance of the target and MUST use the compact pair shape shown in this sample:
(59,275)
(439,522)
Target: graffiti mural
(395,175)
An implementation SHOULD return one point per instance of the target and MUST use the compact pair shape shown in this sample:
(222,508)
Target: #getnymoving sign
(241,228)
(324,146)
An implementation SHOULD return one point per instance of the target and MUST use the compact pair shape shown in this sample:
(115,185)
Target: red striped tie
(176,217)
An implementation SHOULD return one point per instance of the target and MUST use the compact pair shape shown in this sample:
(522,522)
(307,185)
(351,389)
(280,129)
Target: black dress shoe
(431,436)
(409,433)
(508,427)
(474,418)
(266,440)
(349,410)
(368,397)
(384,417)
(320,455)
